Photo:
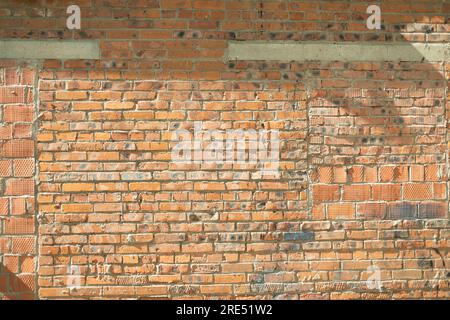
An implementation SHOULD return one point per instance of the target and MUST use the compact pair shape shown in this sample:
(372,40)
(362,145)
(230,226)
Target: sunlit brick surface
(17,212)
(92,205)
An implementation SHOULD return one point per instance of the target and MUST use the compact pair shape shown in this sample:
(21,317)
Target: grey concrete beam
(49,49)
(322,51)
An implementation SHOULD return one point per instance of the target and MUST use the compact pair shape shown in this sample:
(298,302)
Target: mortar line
(37,65)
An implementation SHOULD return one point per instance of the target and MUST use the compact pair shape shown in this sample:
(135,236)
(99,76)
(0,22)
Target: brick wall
(17,168)
(363,157)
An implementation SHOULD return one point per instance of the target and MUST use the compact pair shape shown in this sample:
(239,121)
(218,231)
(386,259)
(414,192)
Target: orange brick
(21,130)
(23,167)
(11,263)
(394,173)
(356,192)
(78,187)
(18,114)
(5,168)
(341,211)
(19,187)
(386,192)
(14,95)
(4,206)
(21,206)
(417,173)
(23,245)
(216,289)
(417,191)
(71,95)
(27,265)
(371,174)
(340,175)
(325,174)
(356,174)
(432,173)
(18,149)
(324,193)
(75,208)
(114,105)
(145,186)
(372,210)
(19,225)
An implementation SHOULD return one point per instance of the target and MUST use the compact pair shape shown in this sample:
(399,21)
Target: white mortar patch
(320,51)
(49,49)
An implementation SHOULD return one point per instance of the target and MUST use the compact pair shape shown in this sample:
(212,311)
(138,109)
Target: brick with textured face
(402,210)
(341,211)
(5,168)
(418,191)
(19,187)
(372,210)
(14,95)
(433,210)
(325,193)
(19,225)
(18,114)
(20,148)
(386,192)
(71,95)
(356,193)
(23,245)
(24,167)
(4,206)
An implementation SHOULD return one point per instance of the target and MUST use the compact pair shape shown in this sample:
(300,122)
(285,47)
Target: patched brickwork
(363,178)
(17,184)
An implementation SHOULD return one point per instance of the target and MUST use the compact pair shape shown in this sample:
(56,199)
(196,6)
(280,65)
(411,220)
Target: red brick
(341,211)
(14,95)
(4,206)
(23,245)
(19,187)
(5,168)
(387,192)
(24,167)
(416,191)
(324,193)
(356,193)
(18,149)
(18,114)
(18,225)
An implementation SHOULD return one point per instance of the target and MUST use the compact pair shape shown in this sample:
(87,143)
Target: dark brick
(299,236)
(432,210)
(402,211)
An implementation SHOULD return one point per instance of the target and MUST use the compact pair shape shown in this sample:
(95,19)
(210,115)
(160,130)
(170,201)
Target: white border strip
(49,49)
(321,51)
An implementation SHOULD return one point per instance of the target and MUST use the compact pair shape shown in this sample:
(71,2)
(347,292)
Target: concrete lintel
(323,51)
(49,49)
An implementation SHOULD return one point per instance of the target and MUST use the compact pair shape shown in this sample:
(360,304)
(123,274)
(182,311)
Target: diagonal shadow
(389,113)
(13,287)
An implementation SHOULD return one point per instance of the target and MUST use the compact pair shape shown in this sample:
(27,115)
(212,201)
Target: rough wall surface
(17,185)
(363,155)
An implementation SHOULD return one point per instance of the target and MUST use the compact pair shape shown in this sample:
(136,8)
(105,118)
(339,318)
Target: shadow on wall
(15,287)
(382,123)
